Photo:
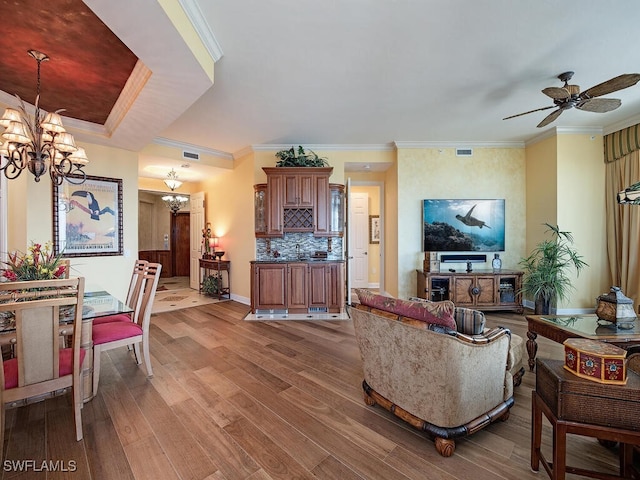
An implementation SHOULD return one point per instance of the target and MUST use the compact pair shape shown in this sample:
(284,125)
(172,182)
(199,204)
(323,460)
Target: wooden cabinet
(260,209)
(296,200)
(269,287)
(336,209)
(297,296)
(480,290)
(163,257)
(297,287)
(298,190)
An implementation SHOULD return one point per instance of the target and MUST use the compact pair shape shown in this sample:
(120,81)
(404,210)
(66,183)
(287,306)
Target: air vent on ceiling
(190,155)
(464,152)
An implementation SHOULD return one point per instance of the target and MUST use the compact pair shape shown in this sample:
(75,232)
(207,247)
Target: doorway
(180,247)
(360,215)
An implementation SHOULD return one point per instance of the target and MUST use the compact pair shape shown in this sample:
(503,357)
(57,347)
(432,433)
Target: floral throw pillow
(439,313)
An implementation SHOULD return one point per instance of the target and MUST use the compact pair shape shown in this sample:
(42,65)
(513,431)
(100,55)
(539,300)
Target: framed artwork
(87,218)
(374,228)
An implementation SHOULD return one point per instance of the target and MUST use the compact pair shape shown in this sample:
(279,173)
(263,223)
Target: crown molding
(338,147)
(460,144)
(192,148)
(614,127)
(555,131)
(195,15)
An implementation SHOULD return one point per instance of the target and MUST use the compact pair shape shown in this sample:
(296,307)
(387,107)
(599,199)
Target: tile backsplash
(308,245)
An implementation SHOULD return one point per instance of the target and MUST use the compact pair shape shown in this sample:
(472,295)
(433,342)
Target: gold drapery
(623,221)
(621,143)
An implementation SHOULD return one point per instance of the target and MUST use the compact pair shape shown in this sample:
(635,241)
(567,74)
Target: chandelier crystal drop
(174,202)
(39,142)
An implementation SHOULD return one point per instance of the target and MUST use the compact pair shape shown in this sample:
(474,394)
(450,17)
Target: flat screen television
(463,225)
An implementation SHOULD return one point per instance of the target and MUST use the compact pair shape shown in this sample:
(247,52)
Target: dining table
(96,303)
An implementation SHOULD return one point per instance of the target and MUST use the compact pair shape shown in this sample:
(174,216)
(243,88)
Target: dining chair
(133,297)
(107,336)
(42,367)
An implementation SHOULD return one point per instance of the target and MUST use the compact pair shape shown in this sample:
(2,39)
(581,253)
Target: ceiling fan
(569,96)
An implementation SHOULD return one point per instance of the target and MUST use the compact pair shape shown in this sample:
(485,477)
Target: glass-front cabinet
(336,209)
(260,205)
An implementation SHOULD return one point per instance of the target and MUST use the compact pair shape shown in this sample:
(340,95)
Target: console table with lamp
(212,264)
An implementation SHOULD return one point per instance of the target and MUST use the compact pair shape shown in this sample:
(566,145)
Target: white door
(196,225)
(359,239)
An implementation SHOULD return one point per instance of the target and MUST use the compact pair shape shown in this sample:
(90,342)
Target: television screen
(463,225)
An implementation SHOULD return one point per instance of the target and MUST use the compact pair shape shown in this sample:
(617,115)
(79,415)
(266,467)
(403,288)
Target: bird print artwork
(92,206)
(470,221)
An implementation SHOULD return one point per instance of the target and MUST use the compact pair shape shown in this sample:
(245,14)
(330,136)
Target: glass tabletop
(590,326)
(99,303)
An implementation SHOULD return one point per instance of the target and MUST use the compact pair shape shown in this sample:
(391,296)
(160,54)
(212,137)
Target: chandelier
(40,142)
(174,202)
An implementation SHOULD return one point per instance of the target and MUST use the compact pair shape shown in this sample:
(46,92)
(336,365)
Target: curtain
(623,222)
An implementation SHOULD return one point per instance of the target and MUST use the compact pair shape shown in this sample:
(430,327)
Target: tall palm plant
(546,269)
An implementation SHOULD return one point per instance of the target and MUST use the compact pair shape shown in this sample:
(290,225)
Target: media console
(479,289)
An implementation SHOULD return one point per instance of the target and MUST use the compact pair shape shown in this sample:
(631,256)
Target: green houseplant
(300,158)
(546,269)
(211,284)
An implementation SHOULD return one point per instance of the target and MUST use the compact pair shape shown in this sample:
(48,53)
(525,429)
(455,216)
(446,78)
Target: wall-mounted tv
(459,225)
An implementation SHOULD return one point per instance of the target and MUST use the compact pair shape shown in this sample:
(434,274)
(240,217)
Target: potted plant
(546,270)
(211,284)
(300,158)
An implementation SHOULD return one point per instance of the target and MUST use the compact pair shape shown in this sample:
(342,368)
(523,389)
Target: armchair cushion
(439,313)
(469,321)
(10,367)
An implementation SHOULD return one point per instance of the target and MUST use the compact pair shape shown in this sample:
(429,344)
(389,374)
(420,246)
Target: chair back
(37,307)
(147,296)
(135,286)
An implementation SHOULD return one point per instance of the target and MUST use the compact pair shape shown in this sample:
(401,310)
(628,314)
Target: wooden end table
(560,327)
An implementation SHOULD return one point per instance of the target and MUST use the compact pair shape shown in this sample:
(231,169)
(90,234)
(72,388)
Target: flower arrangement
(39,263)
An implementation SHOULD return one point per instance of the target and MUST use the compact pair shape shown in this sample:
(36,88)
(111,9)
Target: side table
(207,266)
(577,406)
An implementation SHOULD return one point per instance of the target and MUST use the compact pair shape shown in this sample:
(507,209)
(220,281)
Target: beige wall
(30,218)
(439,173)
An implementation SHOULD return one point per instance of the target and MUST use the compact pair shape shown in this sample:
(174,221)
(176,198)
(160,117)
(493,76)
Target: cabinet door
(260,209)
(298,190)
(486,291)
(297,286)
(321,210)
(336,209)
(274,203)
(290,193)
(269,286)
(336,287)
(462,291)
(318,285)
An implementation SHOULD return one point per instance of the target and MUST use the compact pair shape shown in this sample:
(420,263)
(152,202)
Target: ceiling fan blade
(599,105)
(618,83)
(557,93)
(530,111)
(550,118)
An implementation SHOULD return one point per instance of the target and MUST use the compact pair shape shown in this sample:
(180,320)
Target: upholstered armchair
(416,365)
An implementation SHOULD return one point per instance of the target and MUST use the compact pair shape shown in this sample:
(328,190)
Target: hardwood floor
(232,399)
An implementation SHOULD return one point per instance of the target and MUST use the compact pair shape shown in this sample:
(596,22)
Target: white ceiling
(353,73)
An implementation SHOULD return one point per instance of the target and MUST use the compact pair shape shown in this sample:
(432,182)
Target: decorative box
(615,307)
(575,399)
(597,361)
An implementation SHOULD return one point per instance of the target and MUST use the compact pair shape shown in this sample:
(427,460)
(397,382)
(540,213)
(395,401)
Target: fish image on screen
(463,225)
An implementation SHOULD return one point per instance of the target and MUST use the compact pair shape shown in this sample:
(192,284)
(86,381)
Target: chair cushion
(120,317)
(469,321)
(65,367)
(440,313)
(112,331)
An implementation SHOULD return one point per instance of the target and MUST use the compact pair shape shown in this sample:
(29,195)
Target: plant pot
(542,305)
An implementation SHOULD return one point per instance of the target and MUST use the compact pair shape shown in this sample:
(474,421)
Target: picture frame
(87,217)
(374,229)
